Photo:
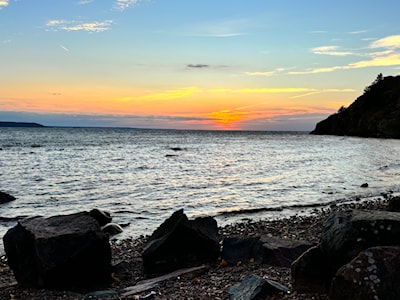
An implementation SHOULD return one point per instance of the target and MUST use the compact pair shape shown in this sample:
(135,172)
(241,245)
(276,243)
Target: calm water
(141,179)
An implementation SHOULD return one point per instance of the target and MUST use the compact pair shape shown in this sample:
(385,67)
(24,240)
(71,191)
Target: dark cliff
(374,114)
(19,124)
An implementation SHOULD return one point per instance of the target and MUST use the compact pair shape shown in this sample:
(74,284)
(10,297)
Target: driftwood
(148,284)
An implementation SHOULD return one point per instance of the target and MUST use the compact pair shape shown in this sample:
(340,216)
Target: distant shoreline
(20,124)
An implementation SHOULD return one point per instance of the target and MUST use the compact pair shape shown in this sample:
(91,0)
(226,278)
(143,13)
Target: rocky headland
(20,124)
(376,113)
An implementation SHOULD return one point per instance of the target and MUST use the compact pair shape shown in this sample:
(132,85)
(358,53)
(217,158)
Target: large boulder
(347,233)
(269,250)
(373,274)
(180,242)
(311,272)
(60,251)
(282,252)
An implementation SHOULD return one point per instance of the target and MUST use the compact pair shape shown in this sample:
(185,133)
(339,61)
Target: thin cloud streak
(383,58)
(124,4)
(97,26)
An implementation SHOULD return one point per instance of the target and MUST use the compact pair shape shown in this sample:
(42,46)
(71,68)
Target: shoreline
(214,280)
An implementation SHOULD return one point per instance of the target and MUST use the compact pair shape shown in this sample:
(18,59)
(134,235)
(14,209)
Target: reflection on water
(141,177)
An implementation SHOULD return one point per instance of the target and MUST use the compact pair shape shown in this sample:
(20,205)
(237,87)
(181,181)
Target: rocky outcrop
(180,242)
(62,251)
(374,114)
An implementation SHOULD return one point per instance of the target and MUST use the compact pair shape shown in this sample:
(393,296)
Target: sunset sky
(187,64)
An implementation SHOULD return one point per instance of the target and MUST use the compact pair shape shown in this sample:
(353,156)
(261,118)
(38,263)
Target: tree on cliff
(376,113)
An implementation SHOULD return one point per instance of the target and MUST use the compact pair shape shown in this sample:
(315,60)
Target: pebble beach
(212,281)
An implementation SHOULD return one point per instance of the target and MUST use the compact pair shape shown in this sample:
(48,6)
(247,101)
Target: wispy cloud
(330,50)
(124,4)
(97,26)
(390,42)
(358,32)
(3,3)
(84,2)
(198,66)
(388,56)
(64,48)
(267,73)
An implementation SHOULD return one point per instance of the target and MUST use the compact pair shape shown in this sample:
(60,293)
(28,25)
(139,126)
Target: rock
(394,204)
(267,250)
(373,274)
(112,229)
(238,249)
(4,198)
(310,272)
(374,114)
(58,252)
(364,185)
(282,252)
(103,217)
(347,233)
(180,243)
(101,294)
(255,287)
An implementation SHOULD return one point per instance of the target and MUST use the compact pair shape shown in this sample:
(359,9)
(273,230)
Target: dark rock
(61,251)
(394,204)
(238,249)
(364,185)
(4,198)
(347,233)
(180,242)
(282,252)
(101,294)
(255,287)
(374,114)
(103,217)
(373,274)
(112,229)
(311,272)
(176,148)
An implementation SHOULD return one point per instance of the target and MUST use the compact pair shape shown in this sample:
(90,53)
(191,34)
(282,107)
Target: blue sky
(253,65)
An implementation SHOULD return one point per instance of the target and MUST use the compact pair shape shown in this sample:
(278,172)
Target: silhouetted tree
(377,80)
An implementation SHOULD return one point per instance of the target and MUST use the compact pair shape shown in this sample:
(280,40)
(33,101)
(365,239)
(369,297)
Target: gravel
(209,283)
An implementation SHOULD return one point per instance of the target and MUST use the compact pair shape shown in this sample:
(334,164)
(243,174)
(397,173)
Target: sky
(187,64)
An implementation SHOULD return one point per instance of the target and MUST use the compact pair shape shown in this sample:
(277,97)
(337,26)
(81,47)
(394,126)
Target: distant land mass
(376,113)
(20,124)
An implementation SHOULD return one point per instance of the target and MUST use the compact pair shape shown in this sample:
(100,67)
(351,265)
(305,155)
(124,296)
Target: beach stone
(282,252)
(103,217)
(347,233)
(255,287)
(58,252)
(241,249)
(4,198)
(373,274)
(180,242)
(112,229)
(310,272)
(394,204)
